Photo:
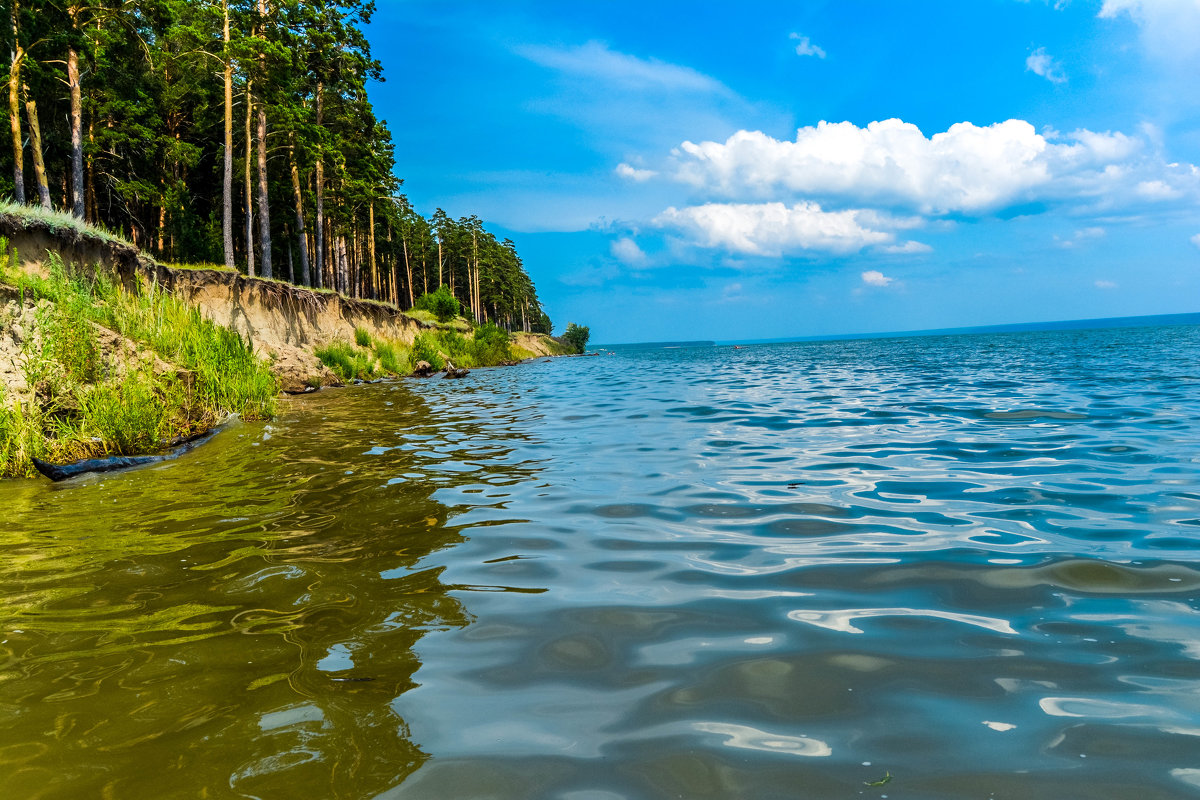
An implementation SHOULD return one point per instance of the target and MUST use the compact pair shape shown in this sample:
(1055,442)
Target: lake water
(787,571)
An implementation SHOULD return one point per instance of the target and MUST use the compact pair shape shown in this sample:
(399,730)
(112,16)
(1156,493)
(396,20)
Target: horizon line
(1136,321)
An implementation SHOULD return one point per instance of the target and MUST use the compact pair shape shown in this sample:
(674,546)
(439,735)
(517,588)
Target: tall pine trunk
(35,144)
(249,184)
(299,213)
(395,268)
(264,203)
(343,267)
(408,272)
(331,259)
(76,133)
(227,178)
(14,119)
(264,208)
(371,250)
(320,270)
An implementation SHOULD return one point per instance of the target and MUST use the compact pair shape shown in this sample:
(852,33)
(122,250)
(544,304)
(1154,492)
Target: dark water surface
(785,571)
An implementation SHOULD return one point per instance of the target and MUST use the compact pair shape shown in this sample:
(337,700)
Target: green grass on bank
(85,402)
(58,221)
(459,324)
(368,357)
(198,265)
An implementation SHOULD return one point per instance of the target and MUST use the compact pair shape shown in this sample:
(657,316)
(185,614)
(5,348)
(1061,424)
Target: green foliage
(153,102)
(425,348)
(577,336)
(128,415)
(21,437)
(71,341)
(456,347)
(230,379)
(491,346)
(441,303)
(347,361)
(543,325)
(100,404)
(392,358)
(362,337)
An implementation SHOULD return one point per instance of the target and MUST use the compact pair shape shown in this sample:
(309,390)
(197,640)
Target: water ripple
(968,563)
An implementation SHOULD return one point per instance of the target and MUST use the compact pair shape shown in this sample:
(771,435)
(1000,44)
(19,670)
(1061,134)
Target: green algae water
(950,567)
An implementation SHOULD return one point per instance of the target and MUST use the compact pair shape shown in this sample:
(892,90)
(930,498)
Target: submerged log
(60,472)
(455,372)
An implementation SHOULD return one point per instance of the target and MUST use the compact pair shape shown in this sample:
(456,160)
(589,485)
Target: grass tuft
(347,361)
(393,358)
(58,221)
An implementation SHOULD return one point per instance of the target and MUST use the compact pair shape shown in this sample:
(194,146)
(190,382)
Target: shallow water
(785,571)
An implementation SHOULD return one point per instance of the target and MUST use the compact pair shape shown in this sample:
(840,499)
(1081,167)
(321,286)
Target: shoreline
(65,341)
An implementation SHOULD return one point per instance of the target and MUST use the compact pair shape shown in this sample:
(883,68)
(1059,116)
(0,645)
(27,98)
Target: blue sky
(716,170)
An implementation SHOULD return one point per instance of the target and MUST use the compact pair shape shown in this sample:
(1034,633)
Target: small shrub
(491,346)
(441,303)
(361,337)
(425,348)
(458,348)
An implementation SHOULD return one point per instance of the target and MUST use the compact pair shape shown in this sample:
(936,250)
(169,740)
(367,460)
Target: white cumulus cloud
(1041,63)
(772,229)
(805,47)
(633,173)
(967,169)
(874,277)
(1106,285)
(1195,240)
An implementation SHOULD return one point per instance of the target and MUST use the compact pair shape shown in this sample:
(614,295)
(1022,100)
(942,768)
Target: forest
(238,133)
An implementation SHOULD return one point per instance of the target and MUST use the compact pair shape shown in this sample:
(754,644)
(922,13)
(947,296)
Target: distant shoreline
(1098,323)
